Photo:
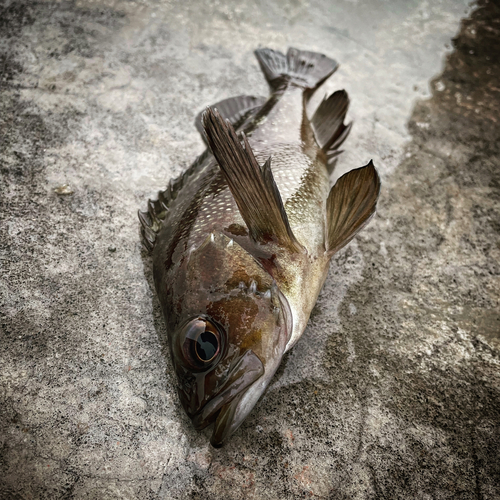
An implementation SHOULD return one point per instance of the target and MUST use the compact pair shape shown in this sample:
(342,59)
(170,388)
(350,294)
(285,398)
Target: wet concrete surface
(394,389)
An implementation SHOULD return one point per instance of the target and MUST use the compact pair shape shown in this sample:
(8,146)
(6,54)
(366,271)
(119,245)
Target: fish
(241,242)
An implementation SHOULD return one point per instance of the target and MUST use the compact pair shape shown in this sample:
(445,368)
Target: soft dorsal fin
(350,205)
(252,187)
(235,109)
(328,124)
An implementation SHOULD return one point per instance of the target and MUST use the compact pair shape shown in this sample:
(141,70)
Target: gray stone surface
(394,389)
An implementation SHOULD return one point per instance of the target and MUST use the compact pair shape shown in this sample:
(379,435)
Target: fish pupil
(206,346)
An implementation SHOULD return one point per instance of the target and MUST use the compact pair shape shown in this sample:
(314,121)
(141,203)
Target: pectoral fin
(350,205)
(253,187)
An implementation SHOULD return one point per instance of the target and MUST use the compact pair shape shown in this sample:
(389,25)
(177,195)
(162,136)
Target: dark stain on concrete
(448,189)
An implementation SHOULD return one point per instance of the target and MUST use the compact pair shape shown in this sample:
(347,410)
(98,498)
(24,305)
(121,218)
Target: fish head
(228,328)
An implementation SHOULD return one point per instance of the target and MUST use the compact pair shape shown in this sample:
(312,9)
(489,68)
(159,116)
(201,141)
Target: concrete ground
(394,390)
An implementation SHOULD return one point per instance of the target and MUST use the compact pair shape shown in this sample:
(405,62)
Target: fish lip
(247,370)
(225,420)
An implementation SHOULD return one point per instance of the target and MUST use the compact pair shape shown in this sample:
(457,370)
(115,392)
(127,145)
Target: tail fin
(305,69)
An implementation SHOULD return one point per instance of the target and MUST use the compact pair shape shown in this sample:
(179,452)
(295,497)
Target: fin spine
(152,219)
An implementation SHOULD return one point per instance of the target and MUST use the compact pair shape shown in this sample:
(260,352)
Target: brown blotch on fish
(241,241)
(237,230)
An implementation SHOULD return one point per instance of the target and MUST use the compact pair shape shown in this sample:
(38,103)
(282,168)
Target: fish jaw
(229,408)
(234,413)
(247,370)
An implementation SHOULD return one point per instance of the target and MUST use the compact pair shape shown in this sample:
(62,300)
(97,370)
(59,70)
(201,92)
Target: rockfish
(241,242)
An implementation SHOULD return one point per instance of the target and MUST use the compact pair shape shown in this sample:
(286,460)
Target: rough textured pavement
(393,391)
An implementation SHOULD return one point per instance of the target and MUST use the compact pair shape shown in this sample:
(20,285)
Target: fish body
(241,242)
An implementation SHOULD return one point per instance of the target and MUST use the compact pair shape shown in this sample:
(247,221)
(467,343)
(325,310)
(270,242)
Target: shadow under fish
(241,242)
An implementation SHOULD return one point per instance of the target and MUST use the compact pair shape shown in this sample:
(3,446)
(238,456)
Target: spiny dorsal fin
(350,205)
(152,219)
(328,124)
(235,109)
(252,187)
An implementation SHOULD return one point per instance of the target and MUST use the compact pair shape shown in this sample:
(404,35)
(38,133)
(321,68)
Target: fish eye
(201,343)
(207,346)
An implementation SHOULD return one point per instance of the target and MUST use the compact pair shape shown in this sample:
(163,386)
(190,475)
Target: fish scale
(241,242)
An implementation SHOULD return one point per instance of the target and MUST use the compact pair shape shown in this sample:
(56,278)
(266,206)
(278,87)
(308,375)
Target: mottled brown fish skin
(240,243)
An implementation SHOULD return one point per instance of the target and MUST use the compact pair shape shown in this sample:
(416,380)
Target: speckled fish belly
(241,242)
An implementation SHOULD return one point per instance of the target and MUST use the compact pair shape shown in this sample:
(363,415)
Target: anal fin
(350,205)
(235,109)
(253,187)
(328,125)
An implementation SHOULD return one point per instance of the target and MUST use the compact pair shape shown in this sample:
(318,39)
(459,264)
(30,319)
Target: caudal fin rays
(300,67)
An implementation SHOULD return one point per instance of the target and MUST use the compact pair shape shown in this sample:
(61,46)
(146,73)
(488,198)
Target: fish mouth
(222,407)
